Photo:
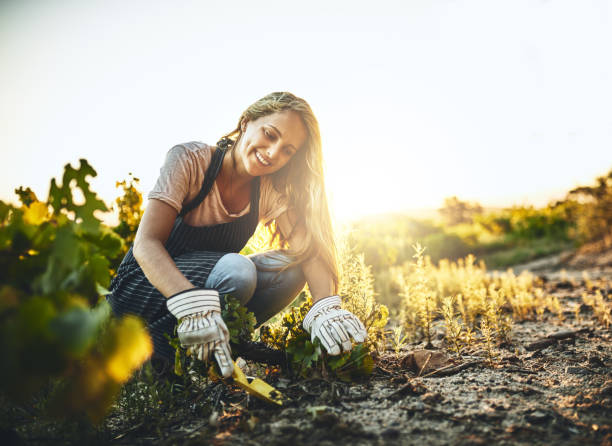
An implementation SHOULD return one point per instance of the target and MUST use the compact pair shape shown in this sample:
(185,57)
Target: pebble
(431,397)
(537,417)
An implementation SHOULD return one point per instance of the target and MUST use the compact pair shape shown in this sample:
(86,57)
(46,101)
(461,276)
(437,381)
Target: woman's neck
(232,171)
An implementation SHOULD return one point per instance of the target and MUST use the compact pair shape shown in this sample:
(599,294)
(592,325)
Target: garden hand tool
(253,386)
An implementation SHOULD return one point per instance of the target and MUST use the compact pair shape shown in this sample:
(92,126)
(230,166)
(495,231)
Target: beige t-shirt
(180,180)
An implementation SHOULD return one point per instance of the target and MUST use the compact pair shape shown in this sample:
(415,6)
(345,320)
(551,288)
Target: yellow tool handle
(255,387)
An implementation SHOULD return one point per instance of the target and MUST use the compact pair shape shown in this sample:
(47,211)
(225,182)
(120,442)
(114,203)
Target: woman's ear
(243,125)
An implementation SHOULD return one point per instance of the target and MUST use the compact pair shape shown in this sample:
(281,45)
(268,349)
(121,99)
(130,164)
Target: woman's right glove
(201,328)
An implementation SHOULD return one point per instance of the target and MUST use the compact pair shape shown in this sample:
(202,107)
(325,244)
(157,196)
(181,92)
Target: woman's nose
(273,150)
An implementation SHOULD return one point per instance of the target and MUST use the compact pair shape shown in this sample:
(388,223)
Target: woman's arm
(150,253)
(318,276)
(326,320)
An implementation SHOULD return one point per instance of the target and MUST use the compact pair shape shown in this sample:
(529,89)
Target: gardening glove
(333,326)
(201,328)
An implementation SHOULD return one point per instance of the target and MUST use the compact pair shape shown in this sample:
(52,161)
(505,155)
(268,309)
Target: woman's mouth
(261,159)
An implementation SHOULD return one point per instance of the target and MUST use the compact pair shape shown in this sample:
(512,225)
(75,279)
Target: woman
(203,209)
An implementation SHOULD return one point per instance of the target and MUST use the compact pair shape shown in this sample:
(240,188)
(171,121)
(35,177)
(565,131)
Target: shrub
(54,265)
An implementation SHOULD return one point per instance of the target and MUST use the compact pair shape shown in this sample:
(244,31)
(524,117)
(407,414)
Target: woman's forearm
(319,279)
(159,268)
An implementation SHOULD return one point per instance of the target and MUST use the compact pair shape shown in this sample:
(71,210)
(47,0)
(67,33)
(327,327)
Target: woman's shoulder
(193,147)
(192,152)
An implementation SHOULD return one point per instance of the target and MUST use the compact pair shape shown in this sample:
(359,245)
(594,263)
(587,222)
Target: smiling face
(269,142)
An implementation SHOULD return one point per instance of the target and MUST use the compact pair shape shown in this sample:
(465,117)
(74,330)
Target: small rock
(326,419)
(431,397)
(596,361)
(427,361)
(537,417)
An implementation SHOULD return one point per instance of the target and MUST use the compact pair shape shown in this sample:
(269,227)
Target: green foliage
(291,337)
(351,366)
(446,246)
(54,262)
(591,208)
(26,196)
(386,240)
(455,211)
(524,252)
(419,296)
(129,205)
(61,198)
(239,321)
(306,357)
(356,285)
(503,237)
(528,223)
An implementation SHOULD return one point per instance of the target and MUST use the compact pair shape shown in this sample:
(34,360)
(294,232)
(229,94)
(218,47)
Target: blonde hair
(300,181)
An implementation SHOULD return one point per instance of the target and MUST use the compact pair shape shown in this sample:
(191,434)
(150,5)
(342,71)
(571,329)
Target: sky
(501,102)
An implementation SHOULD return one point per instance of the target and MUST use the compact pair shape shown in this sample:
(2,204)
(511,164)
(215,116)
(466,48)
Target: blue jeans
(248,279)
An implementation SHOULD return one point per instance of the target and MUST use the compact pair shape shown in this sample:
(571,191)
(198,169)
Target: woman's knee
(234,274)
(275,259)
(274,270)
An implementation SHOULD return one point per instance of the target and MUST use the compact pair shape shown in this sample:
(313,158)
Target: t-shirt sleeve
(272,203)
(175,177)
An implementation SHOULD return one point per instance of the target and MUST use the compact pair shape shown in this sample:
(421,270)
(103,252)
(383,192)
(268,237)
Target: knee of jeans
(240,276)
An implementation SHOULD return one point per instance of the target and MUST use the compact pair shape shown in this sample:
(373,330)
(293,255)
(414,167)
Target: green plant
(54,265)
(306,357)
(601,308)
(419,296)
(591,208)
(487,335)
(452,324)
(291,337)
(240,322)
(399,340)
(357,289)
(129,205)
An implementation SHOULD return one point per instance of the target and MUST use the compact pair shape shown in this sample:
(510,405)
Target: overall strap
(209,179)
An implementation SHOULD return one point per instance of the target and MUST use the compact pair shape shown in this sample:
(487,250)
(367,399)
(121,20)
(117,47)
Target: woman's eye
(268,134)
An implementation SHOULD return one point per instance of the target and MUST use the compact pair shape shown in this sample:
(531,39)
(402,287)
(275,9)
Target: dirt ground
(537,390)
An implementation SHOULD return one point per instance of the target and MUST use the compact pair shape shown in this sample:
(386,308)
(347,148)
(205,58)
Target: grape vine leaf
(60,197)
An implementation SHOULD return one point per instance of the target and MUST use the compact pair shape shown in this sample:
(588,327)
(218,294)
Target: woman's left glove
(201,328)
(333,326)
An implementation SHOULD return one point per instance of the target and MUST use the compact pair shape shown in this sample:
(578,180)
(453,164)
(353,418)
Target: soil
(536,390)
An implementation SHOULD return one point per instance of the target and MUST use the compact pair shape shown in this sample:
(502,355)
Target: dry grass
(469,300)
